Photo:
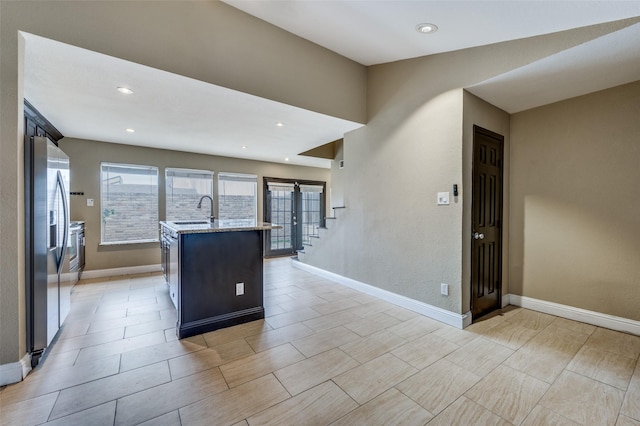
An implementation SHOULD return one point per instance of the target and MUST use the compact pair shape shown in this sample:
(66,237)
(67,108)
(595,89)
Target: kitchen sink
(191,222)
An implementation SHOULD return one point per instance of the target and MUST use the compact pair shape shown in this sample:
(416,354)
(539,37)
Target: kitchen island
(214,272)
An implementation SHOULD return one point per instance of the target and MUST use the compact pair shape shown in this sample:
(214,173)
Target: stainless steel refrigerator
(48,280)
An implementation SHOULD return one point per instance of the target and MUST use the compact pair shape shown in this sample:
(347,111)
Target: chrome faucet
(211,217)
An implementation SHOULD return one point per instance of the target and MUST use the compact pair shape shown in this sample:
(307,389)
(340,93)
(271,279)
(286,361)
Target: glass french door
(298,208)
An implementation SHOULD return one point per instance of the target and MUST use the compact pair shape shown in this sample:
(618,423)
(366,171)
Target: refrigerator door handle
(65,208)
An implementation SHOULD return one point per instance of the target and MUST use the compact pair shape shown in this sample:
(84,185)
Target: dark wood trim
(39,120)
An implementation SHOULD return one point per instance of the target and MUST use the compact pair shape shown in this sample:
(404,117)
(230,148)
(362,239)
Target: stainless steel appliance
(48,278)
(76,250)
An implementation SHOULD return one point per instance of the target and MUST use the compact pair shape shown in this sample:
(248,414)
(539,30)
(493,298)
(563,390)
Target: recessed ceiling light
(286,159)
(130,130)
(426,28)
(125,90)
(244,147)
(279,124)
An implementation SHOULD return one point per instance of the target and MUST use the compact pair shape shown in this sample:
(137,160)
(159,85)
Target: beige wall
(575,202)
(85,157)
(480,113)
(205,40)
(392,235)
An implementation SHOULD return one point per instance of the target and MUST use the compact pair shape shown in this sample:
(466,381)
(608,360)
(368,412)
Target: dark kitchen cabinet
(203,271)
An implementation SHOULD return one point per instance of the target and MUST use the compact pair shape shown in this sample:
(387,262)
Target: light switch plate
(89,202)
(239,289)
(444,289)
(443,198)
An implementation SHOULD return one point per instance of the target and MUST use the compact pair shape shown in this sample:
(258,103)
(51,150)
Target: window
(237,196)
(129,202)
(184,189)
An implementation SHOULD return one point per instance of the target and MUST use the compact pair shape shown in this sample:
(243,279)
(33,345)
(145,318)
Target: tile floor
(325,354)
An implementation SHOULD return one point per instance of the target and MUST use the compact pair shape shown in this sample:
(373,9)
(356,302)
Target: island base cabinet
(210,267)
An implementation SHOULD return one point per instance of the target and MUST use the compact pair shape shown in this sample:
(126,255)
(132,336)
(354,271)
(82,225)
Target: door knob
(478,236)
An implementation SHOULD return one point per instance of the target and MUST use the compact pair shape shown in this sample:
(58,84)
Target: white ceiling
(77,91)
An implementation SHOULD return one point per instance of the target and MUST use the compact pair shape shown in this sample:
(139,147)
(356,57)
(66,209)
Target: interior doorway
(486,225)
(298,207)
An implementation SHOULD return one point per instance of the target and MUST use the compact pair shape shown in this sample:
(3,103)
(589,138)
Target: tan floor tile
(233,350)
(559,339)
(169,419)
(403,314)
(277,337)
(530,319)
(455,335)
(507,392)
(627,421)
(120,346)
(480,356)
(194,362)
(541,416)
(292,317)
(424,351)
(466,412)
(607,367)
(320,405)
(107,324)
(87,395)
(369,306)
(159,400)
(545,365)
(254,366)
(336,306)
(415,327)
(437,386)
(61,378)
(390,408)
(28,412)
(369,380)
(574,325)
(616,342)
(510,335)
(325,340)
(85,341)
(365,349)
(311,372)
(631,404)
(329,321)
(372,323)
(101,415)
(271,310)
(236,404)
(149,327)
(583,400)
(226,335)
(485,324)
(153,354)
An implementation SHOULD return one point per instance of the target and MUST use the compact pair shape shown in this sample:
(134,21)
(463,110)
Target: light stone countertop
(231,225)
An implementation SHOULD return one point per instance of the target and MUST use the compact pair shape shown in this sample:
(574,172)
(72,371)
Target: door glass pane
(282,215)
(311,213)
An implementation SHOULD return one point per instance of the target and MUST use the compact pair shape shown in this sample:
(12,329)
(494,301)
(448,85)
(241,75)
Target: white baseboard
(129,270)
(434,312)
(506,300)
(577,314)
(15,371)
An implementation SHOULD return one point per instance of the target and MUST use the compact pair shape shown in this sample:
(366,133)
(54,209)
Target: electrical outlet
(89,202)
(239,289)
(443,198)
(444,289)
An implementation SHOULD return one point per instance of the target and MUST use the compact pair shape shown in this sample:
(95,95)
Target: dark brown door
(486,226)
